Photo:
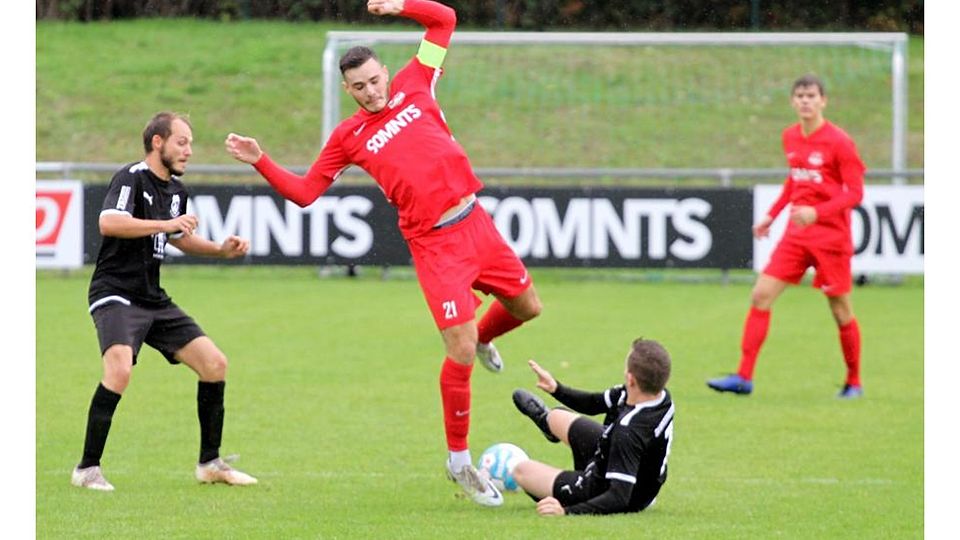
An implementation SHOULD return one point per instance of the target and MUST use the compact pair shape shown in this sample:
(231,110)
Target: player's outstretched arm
(545,380)
(438,19)
(245,149)
(302,190)
(232,246)
(582,402)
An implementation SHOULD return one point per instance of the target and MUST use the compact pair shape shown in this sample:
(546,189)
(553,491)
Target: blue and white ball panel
(499,461)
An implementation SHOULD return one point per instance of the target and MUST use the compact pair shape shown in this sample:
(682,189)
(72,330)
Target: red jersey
(826,173)
(406,147)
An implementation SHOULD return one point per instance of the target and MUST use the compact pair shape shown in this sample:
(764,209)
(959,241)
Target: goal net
(612,101)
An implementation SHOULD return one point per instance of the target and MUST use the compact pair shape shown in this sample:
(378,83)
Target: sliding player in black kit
(144,209)
(618,466)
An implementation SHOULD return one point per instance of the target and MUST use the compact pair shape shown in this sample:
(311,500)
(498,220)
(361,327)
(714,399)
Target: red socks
(850,343)
(455,394)
(754,333)
(455,378)
(496,322)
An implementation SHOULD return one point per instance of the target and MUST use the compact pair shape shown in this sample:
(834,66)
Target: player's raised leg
(504,315)
(461,342)
(210,364)
(536,410)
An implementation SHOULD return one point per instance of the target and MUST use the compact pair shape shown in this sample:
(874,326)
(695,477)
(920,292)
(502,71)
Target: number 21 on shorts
(449,310)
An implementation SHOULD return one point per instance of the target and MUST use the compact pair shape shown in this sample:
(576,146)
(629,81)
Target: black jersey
(631,455)
(128,269)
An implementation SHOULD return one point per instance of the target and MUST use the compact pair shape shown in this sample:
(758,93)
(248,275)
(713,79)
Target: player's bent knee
(761,298)
(117,367)
(842,316)
(463,353)
(216,366)
(534,308)
(521,472)
(116,380)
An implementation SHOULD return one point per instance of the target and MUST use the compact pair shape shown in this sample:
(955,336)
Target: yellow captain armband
(431,54)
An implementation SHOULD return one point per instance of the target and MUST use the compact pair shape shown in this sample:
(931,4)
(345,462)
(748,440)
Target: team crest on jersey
(175,206)
(397,100)
(815,159)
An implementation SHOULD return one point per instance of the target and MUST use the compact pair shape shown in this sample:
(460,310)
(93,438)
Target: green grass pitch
(333,402)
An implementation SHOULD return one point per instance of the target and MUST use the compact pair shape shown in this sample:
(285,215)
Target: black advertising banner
(558,227)
(624,228)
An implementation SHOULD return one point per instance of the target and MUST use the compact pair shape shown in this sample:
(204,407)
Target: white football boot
(489,357)
(478,487)
(217,471)
(90,478)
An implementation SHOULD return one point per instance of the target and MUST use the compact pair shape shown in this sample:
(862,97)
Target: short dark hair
(649,363)
(809,80)
(356,57)
(160,125)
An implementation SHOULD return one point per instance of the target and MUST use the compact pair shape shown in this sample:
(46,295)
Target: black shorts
(166,329)
(572,487)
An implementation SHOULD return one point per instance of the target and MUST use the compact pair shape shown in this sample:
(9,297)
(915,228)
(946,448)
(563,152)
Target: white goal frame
(895,43)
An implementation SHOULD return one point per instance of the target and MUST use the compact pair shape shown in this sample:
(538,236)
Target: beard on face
(167,162)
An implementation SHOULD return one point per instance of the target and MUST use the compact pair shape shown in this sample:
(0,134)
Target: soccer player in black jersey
(620,465)
(145,208)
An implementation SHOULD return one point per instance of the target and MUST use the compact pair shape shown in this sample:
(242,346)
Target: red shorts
(470,254)
(790,261)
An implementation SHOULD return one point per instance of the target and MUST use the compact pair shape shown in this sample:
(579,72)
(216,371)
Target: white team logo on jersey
(806,175)
(815,159)
(404,118)
(175,206)
(397,100)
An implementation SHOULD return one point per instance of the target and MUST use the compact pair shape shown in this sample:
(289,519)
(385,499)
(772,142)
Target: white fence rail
(723,176)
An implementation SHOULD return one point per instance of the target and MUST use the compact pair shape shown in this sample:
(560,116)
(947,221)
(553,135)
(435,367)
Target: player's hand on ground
(185,224)
(245,149)
(762,229)
(803,215)
(548,506)
(234,246)
(385,7)
(545,380)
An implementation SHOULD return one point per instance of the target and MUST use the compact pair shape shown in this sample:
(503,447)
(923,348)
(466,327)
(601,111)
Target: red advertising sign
(59,224)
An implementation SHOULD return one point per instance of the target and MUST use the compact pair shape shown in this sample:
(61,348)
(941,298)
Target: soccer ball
(498,461)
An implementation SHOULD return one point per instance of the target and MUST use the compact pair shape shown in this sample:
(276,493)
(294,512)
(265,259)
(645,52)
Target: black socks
(102,406)
(210,413)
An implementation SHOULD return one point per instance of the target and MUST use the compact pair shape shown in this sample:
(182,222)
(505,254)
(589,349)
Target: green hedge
(676,15)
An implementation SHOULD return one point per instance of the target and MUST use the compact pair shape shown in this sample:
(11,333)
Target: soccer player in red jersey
(824,183)
(399,137)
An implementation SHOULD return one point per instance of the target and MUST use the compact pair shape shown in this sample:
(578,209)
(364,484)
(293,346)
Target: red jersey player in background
(825,182)
(399,137)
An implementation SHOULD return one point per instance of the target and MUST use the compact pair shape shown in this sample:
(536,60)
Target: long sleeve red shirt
(406,147)
(826,173)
